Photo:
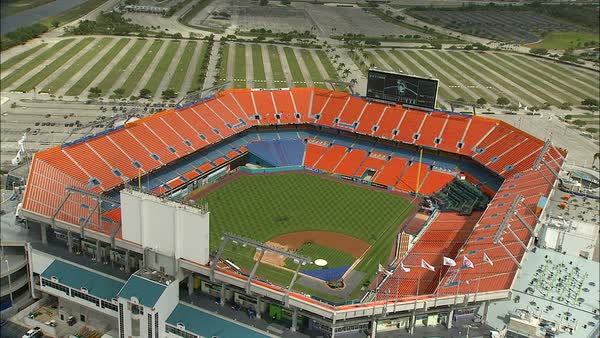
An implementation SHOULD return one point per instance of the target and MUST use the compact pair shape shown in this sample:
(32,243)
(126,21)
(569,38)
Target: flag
(426,265)
(467,262)
(405,269)
(449,261)
(487,259)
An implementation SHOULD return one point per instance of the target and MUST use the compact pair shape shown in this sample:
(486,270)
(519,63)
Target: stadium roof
(146,291)
(208,325)
(76,277)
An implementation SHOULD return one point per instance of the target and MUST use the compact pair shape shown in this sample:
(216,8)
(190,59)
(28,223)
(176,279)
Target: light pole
(9,283)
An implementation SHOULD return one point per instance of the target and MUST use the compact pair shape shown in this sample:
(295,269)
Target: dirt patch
(294,240)
(271,257)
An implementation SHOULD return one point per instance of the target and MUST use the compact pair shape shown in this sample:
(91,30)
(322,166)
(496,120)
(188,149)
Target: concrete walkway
(267,66)
(66,66)
(249,66)
(231,65)
(303,68)
(168,75)
(80,73)
(110,66)
(191,72)
(211,72)
(127,72)
(151,67)
(285,66)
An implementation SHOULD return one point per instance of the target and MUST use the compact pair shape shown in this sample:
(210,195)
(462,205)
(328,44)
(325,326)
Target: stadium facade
(103,195)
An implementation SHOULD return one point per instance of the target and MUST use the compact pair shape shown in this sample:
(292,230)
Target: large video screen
(403,89)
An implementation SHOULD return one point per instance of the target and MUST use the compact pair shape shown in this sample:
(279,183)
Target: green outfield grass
(313,70)
(20,57)
(276,68)
(182,67)
(258,67)
(239,66)
(565,40)
(141,68)
(35,62)
(54,65)
(334,258)
(92,74)
(68,73)
(297,76)
(124,63)
(161,68)
(223,64)
(266,206)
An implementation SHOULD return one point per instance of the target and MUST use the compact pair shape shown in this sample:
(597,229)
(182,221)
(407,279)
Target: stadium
(381,194)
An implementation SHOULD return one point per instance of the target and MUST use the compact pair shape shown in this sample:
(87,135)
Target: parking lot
(50,124)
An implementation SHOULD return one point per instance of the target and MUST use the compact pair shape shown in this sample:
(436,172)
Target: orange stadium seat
(477,129)
(434,181)
(373,163)
(331,158)
(116,158)
(265,107)
(389,122)
(370,117)
(410,125)
(350,162)
(134,149)
(151,142)
(168,136)
(244,99)
(408,181)
(229,102)
(432,129)
(453,133)
(333,108)
(186,130)
(351,113)
(284,106)
(301,98)
(313,154)
(391,172)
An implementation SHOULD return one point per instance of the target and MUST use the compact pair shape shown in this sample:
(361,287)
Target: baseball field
(318,217)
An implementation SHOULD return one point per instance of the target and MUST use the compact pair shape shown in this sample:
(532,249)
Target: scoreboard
(402,89)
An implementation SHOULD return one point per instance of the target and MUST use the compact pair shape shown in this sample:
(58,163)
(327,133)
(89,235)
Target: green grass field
(334,258)
(96,69)
(276,68)
(297,76)
(565,40)
(141,68)
(266,206)
(35,62)
(258,67)
(313,70)
(182,67)
(223,64)
(109,80)
(20,57)
(161,68)
(68,73)
(239,66)
(40,76)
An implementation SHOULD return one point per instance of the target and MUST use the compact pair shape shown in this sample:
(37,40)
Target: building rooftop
(556,289)
(208,325)
(76,277)
(146,291)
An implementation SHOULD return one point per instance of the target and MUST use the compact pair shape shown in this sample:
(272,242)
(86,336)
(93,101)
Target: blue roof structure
(75,277)
(208,325)
(146,291)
